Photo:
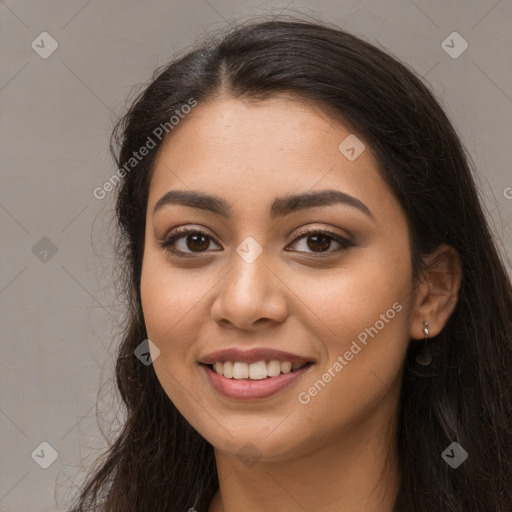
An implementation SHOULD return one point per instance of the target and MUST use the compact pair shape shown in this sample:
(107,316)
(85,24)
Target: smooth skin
(337,452)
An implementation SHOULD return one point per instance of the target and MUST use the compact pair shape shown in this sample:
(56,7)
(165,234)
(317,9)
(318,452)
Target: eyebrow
(280,207)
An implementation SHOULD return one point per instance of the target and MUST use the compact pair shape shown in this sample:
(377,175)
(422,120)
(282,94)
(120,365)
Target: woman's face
(266,272)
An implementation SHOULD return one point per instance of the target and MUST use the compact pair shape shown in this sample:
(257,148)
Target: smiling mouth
(260,370)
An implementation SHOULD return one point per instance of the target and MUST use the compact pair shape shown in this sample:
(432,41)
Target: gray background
(59,310)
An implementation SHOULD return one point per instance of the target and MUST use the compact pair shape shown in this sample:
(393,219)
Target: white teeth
(286,367)
(274,368)
(255,371)
(258,371)
(228,370)
(240,370)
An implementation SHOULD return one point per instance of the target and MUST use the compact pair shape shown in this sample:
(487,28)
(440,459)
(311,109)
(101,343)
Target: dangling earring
(425,357)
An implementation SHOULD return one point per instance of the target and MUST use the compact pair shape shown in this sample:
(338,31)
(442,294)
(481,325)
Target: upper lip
(252,356)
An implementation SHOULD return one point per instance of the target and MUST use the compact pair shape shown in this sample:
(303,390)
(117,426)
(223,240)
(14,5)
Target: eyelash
(166,244)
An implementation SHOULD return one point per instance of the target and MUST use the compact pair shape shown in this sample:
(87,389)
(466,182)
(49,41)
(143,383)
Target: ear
(437,292)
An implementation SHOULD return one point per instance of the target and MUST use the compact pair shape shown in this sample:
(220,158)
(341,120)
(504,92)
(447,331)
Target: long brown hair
(158,462)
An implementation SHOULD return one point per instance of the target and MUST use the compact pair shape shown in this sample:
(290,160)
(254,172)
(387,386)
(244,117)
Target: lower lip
(246,389)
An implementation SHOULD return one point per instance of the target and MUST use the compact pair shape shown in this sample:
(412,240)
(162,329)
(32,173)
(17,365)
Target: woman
(312,277)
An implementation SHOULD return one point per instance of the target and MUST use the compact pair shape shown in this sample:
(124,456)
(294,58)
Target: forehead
(253,151)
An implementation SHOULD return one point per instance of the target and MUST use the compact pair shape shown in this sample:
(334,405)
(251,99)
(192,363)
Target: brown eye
(321,241)
(197,242)
(186,242)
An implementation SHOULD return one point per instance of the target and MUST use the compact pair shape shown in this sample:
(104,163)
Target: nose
(250,296)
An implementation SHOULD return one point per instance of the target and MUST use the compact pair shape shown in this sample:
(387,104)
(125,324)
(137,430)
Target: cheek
(170,324)
(365,310)
(168,306)
(367,284)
